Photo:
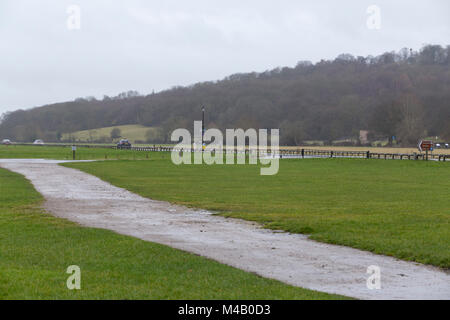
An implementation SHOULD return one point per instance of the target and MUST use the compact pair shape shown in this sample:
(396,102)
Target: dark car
(124,144)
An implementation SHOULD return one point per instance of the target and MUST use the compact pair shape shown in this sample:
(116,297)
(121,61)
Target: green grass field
(131,132)
(36,249)
(396,208)
(65,153)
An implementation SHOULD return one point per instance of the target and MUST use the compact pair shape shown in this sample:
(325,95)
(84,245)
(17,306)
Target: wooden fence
(311,153)
(282,153)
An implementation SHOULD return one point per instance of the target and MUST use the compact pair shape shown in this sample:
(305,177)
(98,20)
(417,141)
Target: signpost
(203,129)
(426,145)
(74,149)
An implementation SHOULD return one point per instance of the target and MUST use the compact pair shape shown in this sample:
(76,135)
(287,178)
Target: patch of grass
(65,153)
(132,132)
(395,208)
(36,249)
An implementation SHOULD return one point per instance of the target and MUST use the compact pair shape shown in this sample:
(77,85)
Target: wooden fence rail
(282,153)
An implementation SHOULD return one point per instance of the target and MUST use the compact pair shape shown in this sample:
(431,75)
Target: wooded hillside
(404,94)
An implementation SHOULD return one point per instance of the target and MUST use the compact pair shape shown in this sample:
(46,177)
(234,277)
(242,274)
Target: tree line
(404,94)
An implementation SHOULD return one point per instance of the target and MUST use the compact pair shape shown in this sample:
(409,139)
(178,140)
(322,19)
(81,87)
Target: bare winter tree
(411,128)
(116,133)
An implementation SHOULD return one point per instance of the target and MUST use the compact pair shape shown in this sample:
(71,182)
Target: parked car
(446,145)
(6,142)
(38,142)
(124,144)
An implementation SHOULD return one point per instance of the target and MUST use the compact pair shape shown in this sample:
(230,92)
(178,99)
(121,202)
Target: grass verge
(36,250)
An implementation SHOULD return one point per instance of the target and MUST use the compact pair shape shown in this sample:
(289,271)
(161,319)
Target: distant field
(36,249)
(131,132)
(396,208)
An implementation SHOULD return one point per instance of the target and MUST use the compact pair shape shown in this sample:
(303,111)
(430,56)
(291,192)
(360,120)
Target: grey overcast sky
(153,45)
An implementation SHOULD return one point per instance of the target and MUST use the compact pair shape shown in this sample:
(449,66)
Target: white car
(6,141)
(38,142)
